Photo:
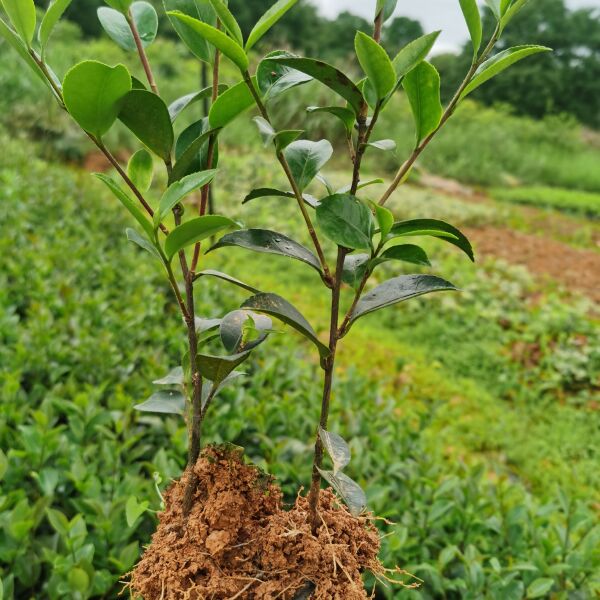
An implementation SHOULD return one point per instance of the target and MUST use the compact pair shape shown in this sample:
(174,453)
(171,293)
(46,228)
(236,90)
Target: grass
(575,201)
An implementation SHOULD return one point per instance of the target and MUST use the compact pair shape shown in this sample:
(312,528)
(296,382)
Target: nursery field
(472,418)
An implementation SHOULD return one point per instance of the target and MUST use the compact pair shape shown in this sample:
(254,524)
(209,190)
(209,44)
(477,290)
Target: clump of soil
(239,542)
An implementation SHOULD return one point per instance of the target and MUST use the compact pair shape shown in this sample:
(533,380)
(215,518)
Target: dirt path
(575,269)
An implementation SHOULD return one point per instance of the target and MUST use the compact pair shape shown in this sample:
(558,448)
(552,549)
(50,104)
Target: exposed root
(239,543)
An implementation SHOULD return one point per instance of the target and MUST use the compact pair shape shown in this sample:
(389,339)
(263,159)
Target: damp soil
(239,541)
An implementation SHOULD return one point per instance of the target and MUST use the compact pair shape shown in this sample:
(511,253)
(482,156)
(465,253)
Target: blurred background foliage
(473,419)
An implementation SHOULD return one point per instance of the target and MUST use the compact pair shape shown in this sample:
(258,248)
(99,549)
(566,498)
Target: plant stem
(297,193)
(141,51)
(408,164)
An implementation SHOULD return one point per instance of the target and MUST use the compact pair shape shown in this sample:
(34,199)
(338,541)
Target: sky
(433,14)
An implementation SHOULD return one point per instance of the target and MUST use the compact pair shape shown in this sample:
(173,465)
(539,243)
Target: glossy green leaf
(435,228)
(345,115)
(128,203)
(540,588)
(286,137)
(217,38)
(140,169)
(272,192)
(414,53)
(190,159)
(399,289)
(177,191)
(122,5)
(495,65)
(3,467)
(146,115)
(22,16)
(387,6)
(197,9)
(495,7)
(512,12)
(268,242)
(385,219)
(337,449)
(473,19)
(94,94)
(78,580)
(355,268)
(194,231)
(346,221)
(230,104)
(385,145)
(173,377)
(348,187)
(271,16)
(404,252)
(210,390)
(238,324)
(276,306)
(228,21)
(267,133)
(134,510)
(116,26)
(144,243)
(228,278)
(165,401)
(351,493)
(422,86)
(376,64)
(178,106)
(327,75)
(217,368)
(306,159)
(55,11)
(274,78)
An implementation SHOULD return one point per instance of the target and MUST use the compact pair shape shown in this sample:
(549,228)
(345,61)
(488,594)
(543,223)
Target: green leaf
(385,145)
(435,228)
(228,278)
(285,137)
(59,522)
(122,5)
(140,170)
(269,18)
(351,493)
(194,231)
(197,9)
(55,11)
(388,7)
(189,159)
(276,306)
(177,191)
(209,389)
(147,116)
(3,465)
(170,402)
(473,19)
(230,104)
(376,64)
(327,75)
(94,93)
(272,192)
(512,11)
(116,26)
(540,587)
(128,203)
(495,6)
(385,219)
(495,65)
(228,20)
(134,237)
(414,53)
(306,159)
(345,115)
(236,325)
(273,78)
(265,129)
(134,510)
(22,16)
(398,290)
(173,377)
(355,268)
(217,368)
(78,580)
(178,106)
(337,448)
(346,221)
(348,187)
(422,86)
(217,38)
(405,252)
(269,242)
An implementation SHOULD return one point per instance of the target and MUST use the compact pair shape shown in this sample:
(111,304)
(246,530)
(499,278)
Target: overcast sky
(433,14)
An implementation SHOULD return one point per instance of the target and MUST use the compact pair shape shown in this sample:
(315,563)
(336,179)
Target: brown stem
(297,193)
(408,164)
(328,367)
(141,51)
(343,330)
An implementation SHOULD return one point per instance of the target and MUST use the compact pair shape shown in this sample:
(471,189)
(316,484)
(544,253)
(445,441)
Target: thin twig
(141,51)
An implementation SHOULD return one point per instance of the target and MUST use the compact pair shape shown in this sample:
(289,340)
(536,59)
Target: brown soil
(574,268)
(239,542)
